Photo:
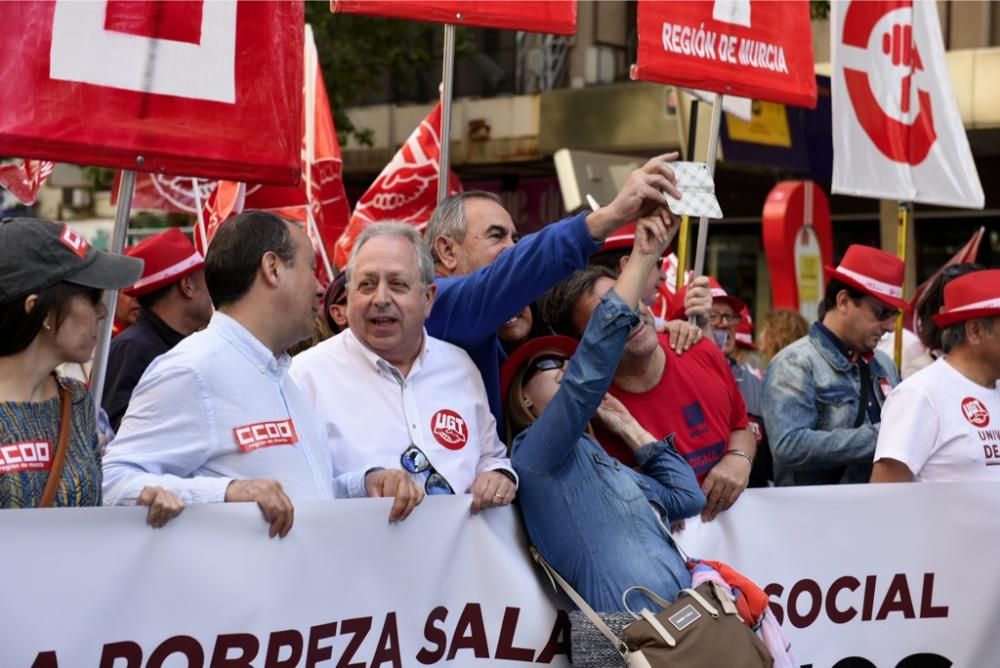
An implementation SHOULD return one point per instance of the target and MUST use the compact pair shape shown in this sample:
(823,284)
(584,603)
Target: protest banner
(860,576)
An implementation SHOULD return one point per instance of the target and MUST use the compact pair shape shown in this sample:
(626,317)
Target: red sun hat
(623,237)
(169,256)
(527,352)
(974,295)
(874,272)
(719,294)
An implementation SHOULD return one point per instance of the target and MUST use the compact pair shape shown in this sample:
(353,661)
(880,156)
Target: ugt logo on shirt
(450,429)
(975,412)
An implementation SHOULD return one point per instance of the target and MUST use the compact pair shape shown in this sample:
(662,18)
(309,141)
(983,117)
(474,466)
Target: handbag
(62,444)
(701,629)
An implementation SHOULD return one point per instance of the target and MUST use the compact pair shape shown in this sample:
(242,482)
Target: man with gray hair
(940,424)
(484,280)
(394,397)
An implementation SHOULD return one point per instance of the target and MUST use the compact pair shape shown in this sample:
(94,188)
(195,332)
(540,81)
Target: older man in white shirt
(218,418)
(393,396)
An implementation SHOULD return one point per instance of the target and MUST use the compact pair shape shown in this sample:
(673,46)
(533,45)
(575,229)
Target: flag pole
(100,369)
(713,149)
(683,237)
(903,223)
(447,76)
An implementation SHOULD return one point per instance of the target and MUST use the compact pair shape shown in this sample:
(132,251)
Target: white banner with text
(890,576)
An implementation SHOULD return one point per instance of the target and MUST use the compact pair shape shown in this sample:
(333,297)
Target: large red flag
(406,190)
(164,192)
(23,178)
(553,16)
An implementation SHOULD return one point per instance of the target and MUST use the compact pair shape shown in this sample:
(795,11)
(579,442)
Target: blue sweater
(468,310)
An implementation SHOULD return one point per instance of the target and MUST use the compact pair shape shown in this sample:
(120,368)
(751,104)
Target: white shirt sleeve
(910,427)
(167,434)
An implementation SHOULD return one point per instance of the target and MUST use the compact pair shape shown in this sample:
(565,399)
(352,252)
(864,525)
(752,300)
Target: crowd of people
(461,362)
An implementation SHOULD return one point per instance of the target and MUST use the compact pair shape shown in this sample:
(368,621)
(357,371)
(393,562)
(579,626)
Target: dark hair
(151,299)
(611,259)
(18,328)
(931,302)
(234,255)
(833,289)
(558,304)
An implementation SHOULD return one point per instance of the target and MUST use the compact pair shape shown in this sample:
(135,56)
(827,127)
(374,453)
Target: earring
(47,326)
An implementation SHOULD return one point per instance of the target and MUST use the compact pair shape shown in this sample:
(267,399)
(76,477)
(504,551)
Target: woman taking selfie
(51,284)
(598,523)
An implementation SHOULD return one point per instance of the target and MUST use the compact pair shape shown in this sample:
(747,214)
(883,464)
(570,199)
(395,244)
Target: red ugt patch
(450,429)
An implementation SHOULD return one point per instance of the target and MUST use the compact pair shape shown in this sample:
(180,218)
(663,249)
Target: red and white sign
(23,178)
(406,190)
(25,456)
(554,16)
(196,88)
(74,241)
(751,48)
(265,434)
(450,429)
(975,412)
(897,131)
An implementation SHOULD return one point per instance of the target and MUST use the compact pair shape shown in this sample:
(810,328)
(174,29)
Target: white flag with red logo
(897,131)
(406,190)
(23,178)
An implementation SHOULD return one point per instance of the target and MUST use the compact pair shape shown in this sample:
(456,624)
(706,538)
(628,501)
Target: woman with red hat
(572,493)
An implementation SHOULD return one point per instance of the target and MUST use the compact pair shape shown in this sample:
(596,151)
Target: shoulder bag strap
(594,618)
(62,445)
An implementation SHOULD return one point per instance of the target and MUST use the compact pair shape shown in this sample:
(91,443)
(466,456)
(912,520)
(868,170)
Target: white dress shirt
(221,407)
(373,414)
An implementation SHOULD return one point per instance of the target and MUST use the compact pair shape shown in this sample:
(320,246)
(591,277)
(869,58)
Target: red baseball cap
(974,295)
(719,294)
(169,256)
(528,351)
(874,272)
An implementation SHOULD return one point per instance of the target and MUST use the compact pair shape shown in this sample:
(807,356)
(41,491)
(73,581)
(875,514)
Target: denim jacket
(811,396)
(588,514)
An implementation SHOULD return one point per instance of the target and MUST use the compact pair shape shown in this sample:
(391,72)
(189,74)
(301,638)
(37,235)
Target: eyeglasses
(716,318)
(413,460)
(881,312)
(544,363)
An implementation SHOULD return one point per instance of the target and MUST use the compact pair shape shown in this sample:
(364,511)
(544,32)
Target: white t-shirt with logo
(943,426)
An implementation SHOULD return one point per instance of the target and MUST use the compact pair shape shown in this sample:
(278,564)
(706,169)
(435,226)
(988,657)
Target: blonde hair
(781,328)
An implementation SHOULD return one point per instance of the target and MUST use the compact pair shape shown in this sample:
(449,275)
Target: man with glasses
(394,397)
(484,280)
(823,394)
(941,423)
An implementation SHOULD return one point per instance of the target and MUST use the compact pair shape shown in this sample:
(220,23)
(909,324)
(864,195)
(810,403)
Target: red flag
(163,192)
(554,16)
(226,200)
(24,177)
(406,190)
(967,253)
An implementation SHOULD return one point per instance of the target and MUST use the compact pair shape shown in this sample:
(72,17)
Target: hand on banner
(398,484)
(163,505)
(274,503)
(724,484)
(492,489)
(642,194)
(682,334)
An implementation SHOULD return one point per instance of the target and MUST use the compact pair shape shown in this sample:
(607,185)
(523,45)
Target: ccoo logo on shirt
(450,429)
(975,412)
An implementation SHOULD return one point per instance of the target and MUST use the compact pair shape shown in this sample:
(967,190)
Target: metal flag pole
(905,209)
(713,149)
(448,76)
(684,234)
(97,375)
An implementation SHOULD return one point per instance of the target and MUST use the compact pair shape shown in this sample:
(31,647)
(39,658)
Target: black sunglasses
(413,460)
(544,363)
(882,312)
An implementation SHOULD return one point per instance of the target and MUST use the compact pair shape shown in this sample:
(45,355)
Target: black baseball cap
(36,254)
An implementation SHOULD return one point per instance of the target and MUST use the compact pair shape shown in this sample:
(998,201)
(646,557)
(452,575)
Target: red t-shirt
(697,400)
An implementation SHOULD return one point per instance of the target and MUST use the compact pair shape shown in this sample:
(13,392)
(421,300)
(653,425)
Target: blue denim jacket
(811,396)
(589,515)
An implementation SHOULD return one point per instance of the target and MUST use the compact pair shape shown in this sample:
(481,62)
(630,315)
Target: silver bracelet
(741,453)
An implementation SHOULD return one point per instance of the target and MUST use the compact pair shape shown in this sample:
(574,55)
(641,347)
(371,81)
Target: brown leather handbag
(62,445)
(701,629)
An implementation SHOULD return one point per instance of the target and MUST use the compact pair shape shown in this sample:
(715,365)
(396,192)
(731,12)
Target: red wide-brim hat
(974,295)
(874,272)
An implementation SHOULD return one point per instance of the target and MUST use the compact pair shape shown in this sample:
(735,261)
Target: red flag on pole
(406,190)
(25,177)
(163,192)
(553,16)
(226,200)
